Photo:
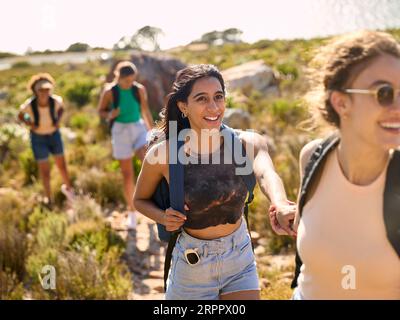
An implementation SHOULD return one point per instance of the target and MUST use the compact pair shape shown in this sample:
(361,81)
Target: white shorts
(127,138)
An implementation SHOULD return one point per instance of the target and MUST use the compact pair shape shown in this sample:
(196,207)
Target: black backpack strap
(249,179)
(391,206)
(115,96)
(35,111)
(135,93)
(176,195)
(52,104)
(314,165)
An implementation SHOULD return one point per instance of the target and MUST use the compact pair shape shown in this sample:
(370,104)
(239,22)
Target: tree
(78,47)
(147,38)
(231,35)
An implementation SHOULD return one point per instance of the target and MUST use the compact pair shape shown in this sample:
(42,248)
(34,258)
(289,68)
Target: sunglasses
(384,94)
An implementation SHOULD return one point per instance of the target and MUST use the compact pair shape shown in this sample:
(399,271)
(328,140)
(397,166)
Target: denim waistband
(45,135)
(215,246)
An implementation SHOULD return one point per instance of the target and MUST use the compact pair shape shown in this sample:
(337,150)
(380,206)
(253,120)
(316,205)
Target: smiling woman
(213,257)
(355,82)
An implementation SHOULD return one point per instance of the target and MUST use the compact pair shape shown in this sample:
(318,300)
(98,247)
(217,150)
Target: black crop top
(214,193)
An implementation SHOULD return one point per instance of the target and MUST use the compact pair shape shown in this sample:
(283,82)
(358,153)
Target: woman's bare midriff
(215,232)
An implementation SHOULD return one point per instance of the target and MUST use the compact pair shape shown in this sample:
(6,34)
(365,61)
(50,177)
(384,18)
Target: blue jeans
(226,265)
(44,144)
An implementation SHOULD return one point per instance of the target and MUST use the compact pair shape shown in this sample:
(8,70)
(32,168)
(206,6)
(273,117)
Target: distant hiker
(213,257)
(348,239)
(130,119)
(42,114)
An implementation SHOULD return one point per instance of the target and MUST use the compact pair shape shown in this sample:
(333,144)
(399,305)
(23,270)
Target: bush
(80,121)
(79,92)
(10,287)
(105,187)
(82,276)
(21,65)
(93,236)
(29,166)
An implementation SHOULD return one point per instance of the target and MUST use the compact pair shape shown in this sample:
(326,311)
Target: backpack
(391,206)
(115,95)
(35,110)
(172,195)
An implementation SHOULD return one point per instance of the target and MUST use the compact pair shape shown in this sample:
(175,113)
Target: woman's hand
(173,219)
(282,217)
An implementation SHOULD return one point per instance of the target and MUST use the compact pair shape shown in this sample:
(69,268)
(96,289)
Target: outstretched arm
(270,184)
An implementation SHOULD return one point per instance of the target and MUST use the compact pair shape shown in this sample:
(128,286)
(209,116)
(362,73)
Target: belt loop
(205,251)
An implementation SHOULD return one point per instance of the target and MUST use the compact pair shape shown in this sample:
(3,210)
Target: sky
(55,24)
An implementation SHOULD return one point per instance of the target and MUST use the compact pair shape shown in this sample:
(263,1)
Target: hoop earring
(183,115)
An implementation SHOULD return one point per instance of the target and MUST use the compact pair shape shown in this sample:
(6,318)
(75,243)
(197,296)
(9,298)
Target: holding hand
(282,218)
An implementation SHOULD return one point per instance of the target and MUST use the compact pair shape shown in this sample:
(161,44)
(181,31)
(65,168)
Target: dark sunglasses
(384,94)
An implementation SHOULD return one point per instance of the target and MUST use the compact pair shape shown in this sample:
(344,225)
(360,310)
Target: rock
(157,73)
(253,75)
(263,241)
(259,250)
(68,134)
(237,118)
(264,260)
(3,95)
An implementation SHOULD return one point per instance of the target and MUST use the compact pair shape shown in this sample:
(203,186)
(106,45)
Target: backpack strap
(35,110)
(249,180)
(115,96)
(135,93)
(314,166)
(52,104)
(176,196)
(391,203)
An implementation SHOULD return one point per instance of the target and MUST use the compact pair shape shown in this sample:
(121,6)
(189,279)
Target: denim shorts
(44,144)
(127,137)
(226,265)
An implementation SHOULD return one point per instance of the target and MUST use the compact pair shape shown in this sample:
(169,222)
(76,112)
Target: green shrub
(51,231)
(82,276)
(29,166)
(93,236)
(79,92)
(104,187)
(80,121)
(10,287)
(21,65)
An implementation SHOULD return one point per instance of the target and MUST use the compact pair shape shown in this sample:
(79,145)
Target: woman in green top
(131,119)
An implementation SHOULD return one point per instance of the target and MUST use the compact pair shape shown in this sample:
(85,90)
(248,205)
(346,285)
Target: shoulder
(307,151)
(141,88)
(253,139)
(58,100)
(107,88)
(26,105)
(157,154)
